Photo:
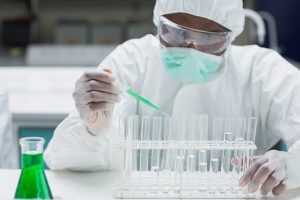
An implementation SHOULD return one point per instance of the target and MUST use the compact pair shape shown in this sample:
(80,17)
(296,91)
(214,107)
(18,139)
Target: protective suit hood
(229,13)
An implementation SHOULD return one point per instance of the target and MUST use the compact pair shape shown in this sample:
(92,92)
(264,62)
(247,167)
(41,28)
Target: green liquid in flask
(145,101)
(33,182)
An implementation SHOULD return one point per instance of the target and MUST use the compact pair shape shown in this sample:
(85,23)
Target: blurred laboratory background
(45,45)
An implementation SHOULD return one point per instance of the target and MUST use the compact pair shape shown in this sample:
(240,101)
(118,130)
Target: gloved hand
(95,96)
(268,171)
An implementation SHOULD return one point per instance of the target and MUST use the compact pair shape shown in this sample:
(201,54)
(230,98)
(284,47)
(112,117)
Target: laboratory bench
(86,185)
(39,97)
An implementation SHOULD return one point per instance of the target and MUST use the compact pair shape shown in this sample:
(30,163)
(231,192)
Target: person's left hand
(268,171)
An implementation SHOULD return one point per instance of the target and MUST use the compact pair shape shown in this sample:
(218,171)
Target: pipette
(135,95)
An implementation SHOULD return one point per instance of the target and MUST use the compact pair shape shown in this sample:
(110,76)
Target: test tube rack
(177,158)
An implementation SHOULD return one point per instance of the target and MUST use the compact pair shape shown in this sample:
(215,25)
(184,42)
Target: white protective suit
(256,82)
(8,148)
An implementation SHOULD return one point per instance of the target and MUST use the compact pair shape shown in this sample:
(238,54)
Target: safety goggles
(172,34)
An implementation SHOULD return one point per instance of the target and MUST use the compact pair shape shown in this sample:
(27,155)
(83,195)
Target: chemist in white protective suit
(8,141)
(190,66)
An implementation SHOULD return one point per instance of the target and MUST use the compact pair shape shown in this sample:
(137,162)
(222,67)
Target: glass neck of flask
(32,151)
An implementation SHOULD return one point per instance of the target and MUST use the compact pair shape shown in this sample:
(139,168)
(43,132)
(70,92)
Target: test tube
(144,153)
(177,135)
(203,170)
(203,161)
(251,134)
(203,128)
(217,135)
(178,173)
(129,135)
(191,154)
(239,139)
(122,124)
(240,132)
(227,178)
(177,153)
(202,131)
(135,130)
(214,162)
(166,157)
(155,154)
(228,137)
(185,127)
(251,129)
(227,152)
(241,126)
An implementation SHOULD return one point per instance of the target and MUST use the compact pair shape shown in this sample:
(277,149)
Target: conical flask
(32,183)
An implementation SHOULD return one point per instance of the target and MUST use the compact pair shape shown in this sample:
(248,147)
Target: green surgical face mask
(190,65)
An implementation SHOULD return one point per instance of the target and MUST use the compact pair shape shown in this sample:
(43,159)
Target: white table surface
(83,186)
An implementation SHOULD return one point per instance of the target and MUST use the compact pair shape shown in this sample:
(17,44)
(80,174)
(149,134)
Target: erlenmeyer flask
(33,182)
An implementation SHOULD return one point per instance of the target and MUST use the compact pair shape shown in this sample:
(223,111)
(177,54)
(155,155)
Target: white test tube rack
(174,158)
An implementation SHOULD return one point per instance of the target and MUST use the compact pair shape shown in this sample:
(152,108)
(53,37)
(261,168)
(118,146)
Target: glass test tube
(128,137)
(251,135)
(227,175)
(238,161)
(144,153)
(135,130)
(214,160)
(155,154)
(134,121)
(176,153)
(228,138)
(202,130)
(217,135)
(178,173)
(203,171)
(183,136)
(121,140)
(191,153)
(166,157)
(239,139)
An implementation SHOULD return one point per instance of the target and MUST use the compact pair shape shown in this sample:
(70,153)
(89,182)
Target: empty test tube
(178,173)
(144,153)
(135,129)
(239,139)
(156,137)
(129,157)
(227,152)
(191,153)
(167,133)
(228,137)
(202,130)
(215,154)
(226,163)
(203,170)
(251,134)
(155,154)
(122,124)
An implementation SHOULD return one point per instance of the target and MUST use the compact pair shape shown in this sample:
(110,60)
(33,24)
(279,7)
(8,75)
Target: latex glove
(268,171)
(95,96)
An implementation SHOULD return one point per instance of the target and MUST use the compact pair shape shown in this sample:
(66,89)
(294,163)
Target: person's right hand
(95,96)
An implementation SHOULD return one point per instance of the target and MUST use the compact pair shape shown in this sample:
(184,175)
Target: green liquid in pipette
(145,101)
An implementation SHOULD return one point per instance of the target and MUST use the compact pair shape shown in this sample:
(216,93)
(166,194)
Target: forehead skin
(196,22)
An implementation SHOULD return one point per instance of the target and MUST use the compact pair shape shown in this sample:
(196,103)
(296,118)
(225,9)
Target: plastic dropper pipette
(135,95)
